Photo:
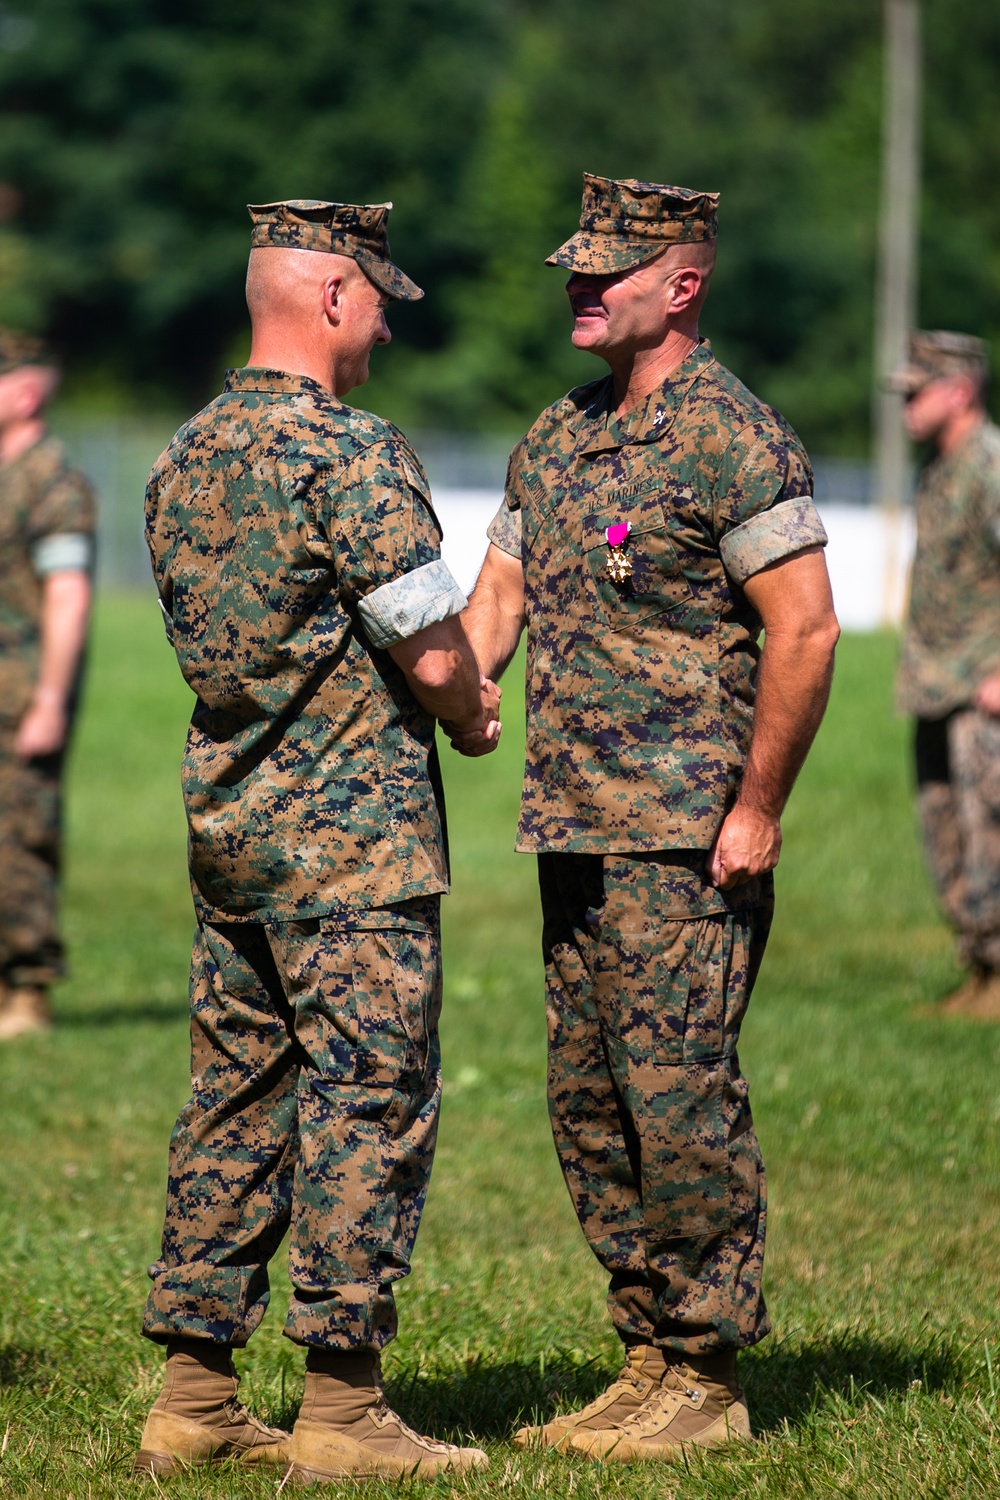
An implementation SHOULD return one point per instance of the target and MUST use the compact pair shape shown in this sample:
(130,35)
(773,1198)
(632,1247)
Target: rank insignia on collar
(619,564)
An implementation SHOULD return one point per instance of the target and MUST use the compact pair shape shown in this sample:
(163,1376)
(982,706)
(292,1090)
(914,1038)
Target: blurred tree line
(132,132)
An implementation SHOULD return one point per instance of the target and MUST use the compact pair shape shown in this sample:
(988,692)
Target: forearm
(443,674)
(793,686)
(494,618)
(65,611)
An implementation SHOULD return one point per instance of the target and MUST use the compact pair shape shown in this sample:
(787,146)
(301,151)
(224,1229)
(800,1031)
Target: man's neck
(959,428)
(292,359)
(644,371)
(17,437)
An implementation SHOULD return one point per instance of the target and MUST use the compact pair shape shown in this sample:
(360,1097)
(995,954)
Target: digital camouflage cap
(18,349)
(358,230)
(624,223)
(935,356)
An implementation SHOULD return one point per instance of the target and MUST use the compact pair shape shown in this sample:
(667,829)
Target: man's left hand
(747,844)
(987,698)
(42,731)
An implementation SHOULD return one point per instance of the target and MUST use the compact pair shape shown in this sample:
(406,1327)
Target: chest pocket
(656,584)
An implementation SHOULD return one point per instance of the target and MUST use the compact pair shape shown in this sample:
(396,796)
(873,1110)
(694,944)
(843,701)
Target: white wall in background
(868,555)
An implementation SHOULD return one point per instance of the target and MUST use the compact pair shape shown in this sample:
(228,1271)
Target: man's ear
(685,288)
(966,393)
(37,385)
(333,298)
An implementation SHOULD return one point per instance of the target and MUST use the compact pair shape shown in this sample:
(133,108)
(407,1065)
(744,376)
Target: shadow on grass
(23,1367)
(143,1013)
(783,1384)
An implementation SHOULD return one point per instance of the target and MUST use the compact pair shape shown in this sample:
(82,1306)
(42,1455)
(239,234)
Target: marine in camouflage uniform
(47,519)
(949,675)
(640,529)
(295,548)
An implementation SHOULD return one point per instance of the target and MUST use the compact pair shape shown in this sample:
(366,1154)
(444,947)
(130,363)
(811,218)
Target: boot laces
(673,1388)
(382,1412)
(625,1377)
(239,1416)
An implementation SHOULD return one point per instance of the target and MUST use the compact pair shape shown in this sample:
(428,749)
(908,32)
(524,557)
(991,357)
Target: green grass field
(879,1126)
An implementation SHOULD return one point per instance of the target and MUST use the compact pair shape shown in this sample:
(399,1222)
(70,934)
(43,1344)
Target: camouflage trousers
(648,975)
(958,793)
(30,948)
(316,1081)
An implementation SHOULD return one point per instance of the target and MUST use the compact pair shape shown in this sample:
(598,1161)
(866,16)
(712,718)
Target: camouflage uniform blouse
(952,637)
(278,522)
(640,695)
(47,519)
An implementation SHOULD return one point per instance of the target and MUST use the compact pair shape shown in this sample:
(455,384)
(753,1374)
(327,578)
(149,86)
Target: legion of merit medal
(619,564)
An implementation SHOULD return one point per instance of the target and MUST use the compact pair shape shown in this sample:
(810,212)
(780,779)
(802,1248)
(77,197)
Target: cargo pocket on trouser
(369,1016)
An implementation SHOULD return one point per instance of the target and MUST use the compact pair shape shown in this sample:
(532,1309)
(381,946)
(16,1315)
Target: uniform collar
(277,382)
(600,430)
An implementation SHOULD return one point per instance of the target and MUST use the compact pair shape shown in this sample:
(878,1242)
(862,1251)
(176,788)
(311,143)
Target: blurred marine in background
(949,676)
(654,521)
(47,519)
(297,558)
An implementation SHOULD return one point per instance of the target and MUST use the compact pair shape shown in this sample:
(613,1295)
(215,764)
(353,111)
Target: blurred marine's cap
(623,224)
(17,349)
(935,356)
(358,230)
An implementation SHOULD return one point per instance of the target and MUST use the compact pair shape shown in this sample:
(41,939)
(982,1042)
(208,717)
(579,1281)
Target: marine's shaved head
(314,313)
(287,284)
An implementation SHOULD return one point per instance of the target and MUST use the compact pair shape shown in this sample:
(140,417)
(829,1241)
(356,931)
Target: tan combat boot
(699,1404)
(23,1008)
(346,1427)
(978,998)
(196,1419)
(640,1378)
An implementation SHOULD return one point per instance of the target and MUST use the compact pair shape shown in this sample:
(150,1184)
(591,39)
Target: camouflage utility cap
(358,230)
(623,224)
(937,356)
(17,349)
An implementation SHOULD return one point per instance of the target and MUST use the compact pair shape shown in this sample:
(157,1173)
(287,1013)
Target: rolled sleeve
(785,529)
(397,610)
(504,531)
(62,552)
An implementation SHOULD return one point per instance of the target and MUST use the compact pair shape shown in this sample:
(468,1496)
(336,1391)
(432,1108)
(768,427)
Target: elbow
(828,634)
(437,671)
(821,634)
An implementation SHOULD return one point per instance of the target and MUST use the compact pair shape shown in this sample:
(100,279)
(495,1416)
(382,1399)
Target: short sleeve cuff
(504,531)
(397,610)
(61,552)
(780,532)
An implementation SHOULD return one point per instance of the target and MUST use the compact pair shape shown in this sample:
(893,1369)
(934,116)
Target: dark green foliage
(133,131)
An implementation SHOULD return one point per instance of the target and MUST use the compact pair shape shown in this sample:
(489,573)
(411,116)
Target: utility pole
(898,217)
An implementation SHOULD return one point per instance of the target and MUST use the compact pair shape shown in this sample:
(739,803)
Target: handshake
(478,734)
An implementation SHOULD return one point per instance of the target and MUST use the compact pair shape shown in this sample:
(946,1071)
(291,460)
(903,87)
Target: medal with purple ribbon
(619,564)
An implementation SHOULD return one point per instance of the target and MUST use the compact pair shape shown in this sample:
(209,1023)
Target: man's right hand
(479,738)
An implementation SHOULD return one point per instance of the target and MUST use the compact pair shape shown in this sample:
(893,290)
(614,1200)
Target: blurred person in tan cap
(949,674)
(297,558)
(47,518)
(654,522)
